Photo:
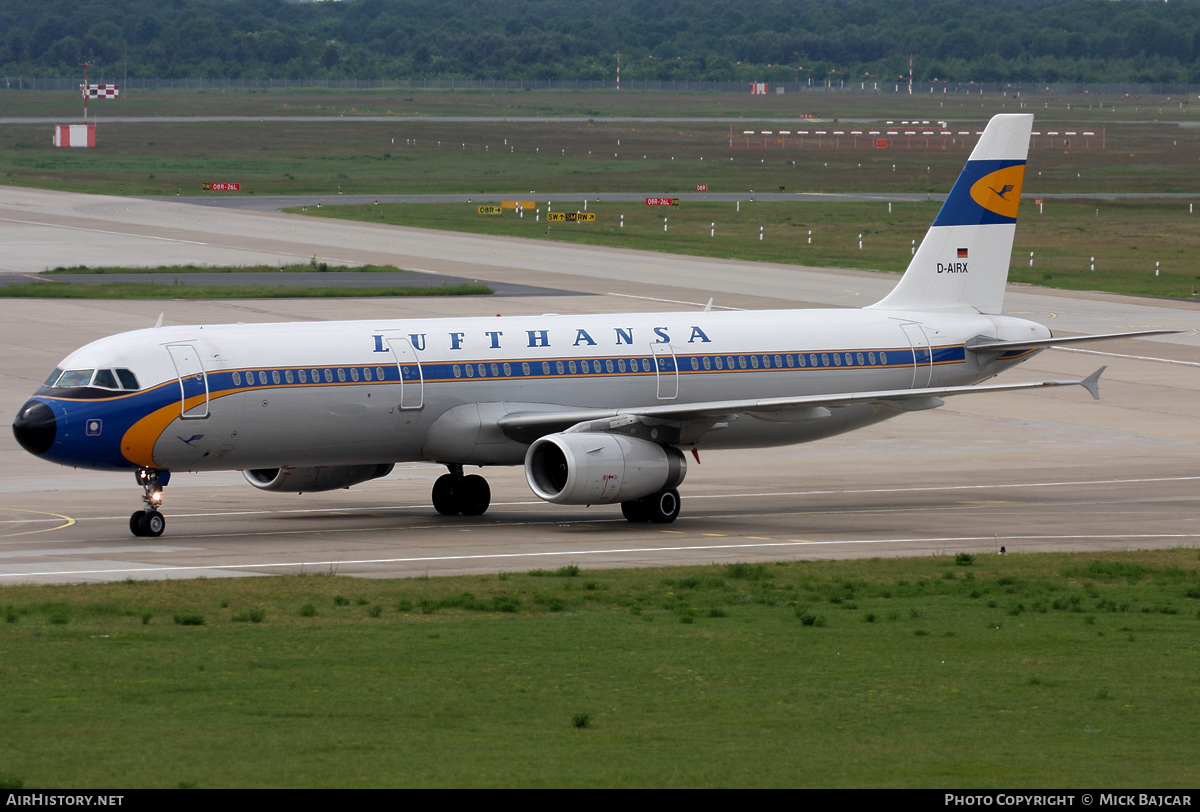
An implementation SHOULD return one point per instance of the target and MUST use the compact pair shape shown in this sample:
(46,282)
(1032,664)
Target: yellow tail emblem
(1000,191)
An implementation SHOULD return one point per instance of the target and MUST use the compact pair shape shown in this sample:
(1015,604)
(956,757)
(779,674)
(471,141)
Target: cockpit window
(54,376)
(128,379)
(105,379)
(75,377)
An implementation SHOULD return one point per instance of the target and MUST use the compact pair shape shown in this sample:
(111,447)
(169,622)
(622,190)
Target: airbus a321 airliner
(598,409)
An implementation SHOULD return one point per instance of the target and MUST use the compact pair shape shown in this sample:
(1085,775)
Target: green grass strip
(311,267)
(122,290)
(975,670)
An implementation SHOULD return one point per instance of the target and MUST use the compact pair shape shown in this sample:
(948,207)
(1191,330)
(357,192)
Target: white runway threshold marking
(212,567)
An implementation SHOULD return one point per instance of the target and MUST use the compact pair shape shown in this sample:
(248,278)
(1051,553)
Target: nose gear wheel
(149,522)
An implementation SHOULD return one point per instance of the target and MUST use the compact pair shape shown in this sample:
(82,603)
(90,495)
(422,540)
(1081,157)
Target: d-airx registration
(598,409)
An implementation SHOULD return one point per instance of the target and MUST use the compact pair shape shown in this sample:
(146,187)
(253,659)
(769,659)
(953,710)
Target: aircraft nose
(35,427)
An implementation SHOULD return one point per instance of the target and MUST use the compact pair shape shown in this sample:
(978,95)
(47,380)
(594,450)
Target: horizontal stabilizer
(990,346)
(1092,382)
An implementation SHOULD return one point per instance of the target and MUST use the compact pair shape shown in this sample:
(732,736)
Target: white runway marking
(675,301)
(620,551)
(1134,357)
(92,551)
(951,487)
(100,231)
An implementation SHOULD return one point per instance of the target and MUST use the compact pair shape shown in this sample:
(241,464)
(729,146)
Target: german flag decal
(962,253)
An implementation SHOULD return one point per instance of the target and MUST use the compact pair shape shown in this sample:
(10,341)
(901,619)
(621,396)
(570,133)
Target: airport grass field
(1125,237)
(477,150)
(481,151)
(1146,151)
(176,286)
(501,102)
(1068,670)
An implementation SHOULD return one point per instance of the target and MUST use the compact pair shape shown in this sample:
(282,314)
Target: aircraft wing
(688,421)
(996,346)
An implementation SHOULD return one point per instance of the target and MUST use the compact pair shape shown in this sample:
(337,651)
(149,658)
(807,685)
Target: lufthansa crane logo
(1000,192)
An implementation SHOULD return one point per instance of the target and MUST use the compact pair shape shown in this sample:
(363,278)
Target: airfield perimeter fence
(71,84)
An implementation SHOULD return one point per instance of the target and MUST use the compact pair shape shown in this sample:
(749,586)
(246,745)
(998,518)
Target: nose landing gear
(148,522)
(454,493)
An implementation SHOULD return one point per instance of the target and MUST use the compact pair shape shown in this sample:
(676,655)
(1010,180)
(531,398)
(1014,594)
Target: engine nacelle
(290,479)
(593,468)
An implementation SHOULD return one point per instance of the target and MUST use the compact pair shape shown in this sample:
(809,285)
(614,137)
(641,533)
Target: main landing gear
(454,493)
(659,508)
(148,522)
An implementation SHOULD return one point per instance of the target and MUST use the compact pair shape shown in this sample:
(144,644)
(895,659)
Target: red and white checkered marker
(100,91)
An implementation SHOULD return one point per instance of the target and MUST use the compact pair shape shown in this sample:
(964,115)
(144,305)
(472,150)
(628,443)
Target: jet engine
(591,468)
(290,479)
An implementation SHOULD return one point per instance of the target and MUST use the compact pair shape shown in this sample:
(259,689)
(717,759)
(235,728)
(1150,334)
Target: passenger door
(412,378)
(922,354)
(666,371)
(193,381)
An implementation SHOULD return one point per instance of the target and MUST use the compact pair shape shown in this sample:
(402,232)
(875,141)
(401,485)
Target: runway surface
(1041,470)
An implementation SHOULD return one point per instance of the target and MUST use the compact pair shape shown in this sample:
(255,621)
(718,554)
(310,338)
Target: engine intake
(589,468)
(290,479)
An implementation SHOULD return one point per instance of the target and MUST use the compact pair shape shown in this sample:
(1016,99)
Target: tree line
(764,40)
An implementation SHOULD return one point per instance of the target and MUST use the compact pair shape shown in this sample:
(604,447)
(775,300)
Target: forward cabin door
(193,381)
(666,371)
(922,354)
(412,378)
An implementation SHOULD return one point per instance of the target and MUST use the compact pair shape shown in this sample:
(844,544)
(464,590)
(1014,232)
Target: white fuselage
(404,390)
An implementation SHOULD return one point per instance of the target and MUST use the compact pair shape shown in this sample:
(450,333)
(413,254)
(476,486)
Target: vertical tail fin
(962,264)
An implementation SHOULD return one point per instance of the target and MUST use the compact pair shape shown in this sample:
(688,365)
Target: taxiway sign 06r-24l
(598,409)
